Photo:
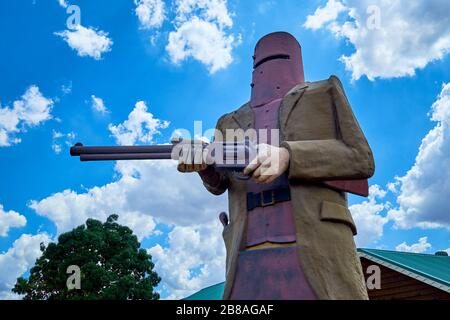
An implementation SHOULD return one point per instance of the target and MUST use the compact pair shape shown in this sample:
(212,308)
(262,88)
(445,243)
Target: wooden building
(407,276)
(401,276)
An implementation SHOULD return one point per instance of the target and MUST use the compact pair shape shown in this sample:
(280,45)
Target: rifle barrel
(79,150)
(125,156)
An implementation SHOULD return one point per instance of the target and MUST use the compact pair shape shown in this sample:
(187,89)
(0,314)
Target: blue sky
(150,62)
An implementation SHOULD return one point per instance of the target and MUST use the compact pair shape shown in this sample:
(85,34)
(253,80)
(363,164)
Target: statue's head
(277,67)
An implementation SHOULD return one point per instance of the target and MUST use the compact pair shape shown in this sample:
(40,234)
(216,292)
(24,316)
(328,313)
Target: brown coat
(325,143)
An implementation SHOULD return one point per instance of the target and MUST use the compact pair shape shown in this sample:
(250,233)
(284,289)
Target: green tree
(111,262)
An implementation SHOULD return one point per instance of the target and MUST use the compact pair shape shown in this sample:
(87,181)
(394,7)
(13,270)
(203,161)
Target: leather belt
(267,198)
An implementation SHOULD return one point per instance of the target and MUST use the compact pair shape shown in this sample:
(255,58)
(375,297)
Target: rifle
(226,156)
(235,157)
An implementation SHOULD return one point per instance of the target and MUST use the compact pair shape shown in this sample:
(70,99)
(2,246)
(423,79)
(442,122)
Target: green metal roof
(214,292)
(430,266)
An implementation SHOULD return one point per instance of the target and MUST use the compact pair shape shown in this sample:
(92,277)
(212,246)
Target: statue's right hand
(192,156)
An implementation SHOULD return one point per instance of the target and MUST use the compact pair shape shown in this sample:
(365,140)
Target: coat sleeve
(347,156)
(215,182)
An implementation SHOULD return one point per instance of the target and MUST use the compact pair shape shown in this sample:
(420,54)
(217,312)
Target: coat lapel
(290,101)
(244,117)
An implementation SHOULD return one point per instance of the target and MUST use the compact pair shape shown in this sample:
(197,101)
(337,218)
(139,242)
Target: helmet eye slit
(274,57)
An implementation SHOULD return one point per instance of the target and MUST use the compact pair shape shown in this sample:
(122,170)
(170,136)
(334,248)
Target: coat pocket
(335,212)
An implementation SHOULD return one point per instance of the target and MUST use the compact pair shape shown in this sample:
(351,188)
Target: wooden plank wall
(396,286)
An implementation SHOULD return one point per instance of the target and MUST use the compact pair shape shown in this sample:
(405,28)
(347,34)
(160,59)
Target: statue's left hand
(192,157)
(270,163)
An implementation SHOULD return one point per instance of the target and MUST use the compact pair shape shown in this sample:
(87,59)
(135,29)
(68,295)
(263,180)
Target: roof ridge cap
(403,252)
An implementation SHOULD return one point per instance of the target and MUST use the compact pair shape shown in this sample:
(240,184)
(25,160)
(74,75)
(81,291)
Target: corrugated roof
(432,267)
(214,292)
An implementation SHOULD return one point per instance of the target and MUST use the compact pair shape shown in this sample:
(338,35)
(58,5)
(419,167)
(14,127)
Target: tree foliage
(111,262)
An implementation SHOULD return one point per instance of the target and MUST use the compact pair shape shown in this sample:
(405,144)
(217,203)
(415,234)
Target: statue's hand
(192,157)
(270,163)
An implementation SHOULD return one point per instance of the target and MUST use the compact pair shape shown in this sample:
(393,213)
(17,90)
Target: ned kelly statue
(289,233)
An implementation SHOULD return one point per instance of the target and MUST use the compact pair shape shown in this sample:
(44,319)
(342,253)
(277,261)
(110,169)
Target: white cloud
(155,37)
(98,105)
(193,260)
(140,126)
(57,134)
(66,89)
(203,41)
(18,259)
(31,110)
(368,217)
(172,197)
(391,38)
(146,193)
(418,247)
(325,14)
(210,10)
(393,186)
(151,13)
(201,33)
(34,108)
(57,148)
(10,219)
(63,3)
(60,139)
(87,41)
(201,30)
(68,209)
(265,6)
(423,197)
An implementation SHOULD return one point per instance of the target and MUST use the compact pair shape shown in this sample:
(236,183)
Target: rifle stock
(358,187)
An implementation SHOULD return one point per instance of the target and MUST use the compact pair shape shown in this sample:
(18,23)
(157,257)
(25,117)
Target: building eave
(405,271)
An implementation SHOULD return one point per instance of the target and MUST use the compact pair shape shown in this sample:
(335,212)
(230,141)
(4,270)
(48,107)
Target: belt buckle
(263,198)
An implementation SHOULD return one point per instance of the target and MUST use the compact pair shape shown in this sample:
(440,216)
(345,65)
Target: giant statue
(289,233)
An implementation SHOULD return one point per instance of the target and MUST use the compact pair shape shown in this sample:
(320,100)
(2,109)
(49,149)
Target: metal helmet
(277,67)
